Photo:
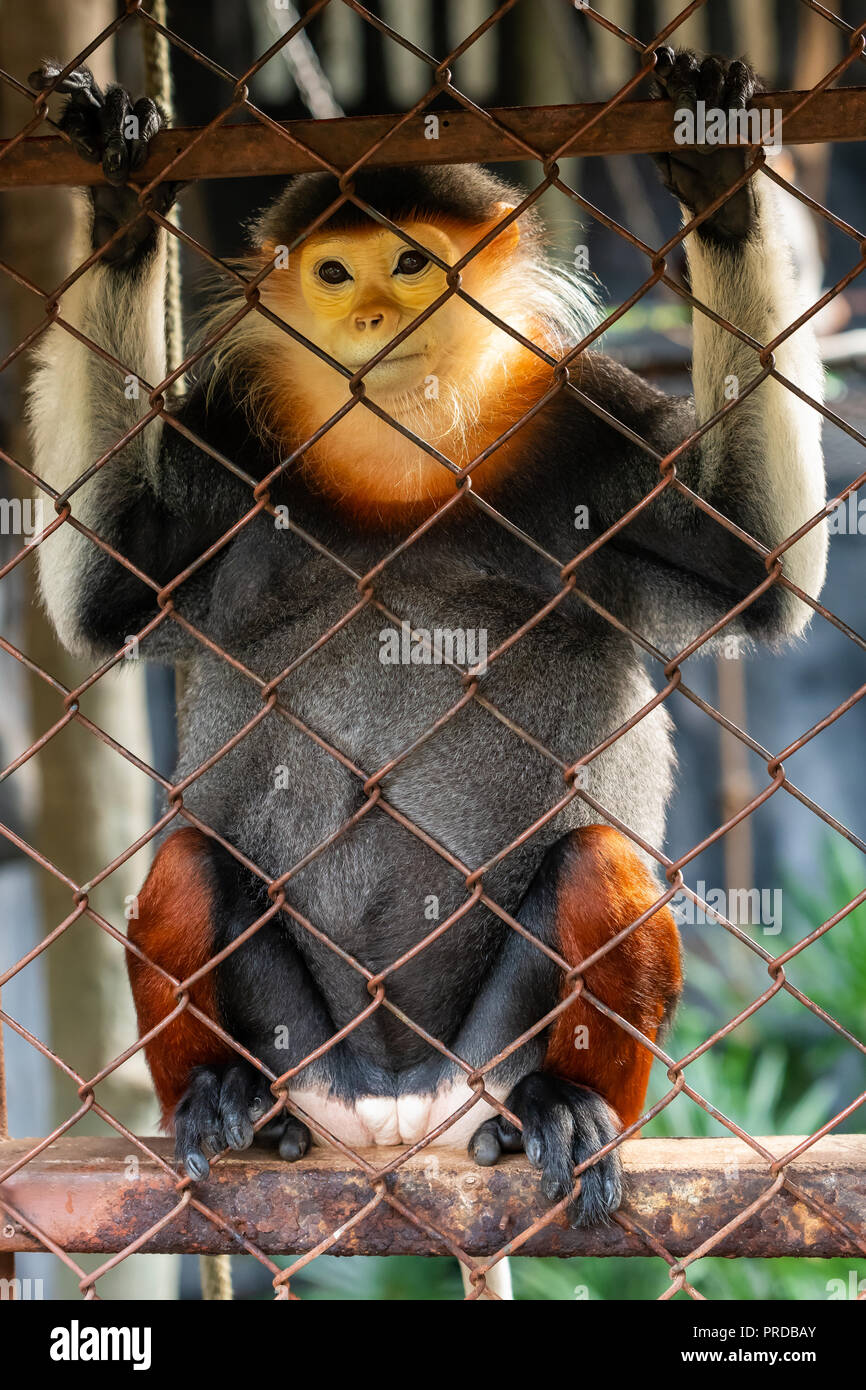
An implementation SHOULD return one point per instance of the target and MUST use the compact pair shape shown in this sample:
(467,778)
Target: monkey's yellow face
(361,288)
(349,294)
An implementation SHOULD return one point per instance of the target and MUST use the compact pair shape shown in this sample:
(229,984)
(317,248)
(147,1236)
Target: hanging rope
(302,61)
(215,1271)
(157,71)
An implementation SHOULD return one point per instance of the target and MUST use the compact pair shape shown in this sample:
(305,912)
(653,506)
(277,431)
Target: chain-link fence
(408,1201)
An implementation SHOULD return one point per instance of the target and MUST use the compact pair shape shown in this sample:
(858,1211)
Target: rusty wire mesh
(374,781)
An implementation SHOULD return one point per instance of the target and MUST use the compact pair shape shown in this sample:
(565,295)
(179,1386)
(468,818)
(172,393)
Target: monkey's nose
(365,321)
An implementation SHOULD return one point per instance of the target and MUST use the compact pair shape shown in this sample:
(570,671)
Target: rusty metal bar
(7,1257)
(241,151)
(89,1197)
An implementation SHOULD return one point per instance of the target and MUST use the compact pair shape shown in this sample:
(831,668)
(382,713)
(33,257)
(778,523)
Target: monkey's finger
(237,1093)
(81,124)
(741,84)
(189,1147)
(682,81)
(710,82)
(665,60)
(288,1135)
(295,1141)
(116,110)
(214,1140)
(80,82)
(196,1165)
(600,1188)
(273,1131)
(259,1105)
(600,1185)
(494,1138)
(197,1123)
(548,1139)
(484,1146)
(147,123)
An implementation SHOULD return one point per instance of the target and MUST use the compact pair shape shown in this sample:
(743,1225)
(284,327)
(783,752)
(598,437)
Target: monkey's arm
(159,501)
(761,464)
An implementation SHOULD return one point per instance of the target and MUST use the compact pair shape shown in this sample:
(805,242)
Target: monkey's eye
(333,273)
(411,263)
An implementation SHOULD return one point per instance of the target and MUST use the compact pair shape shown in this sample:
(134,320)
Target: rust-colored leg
(175,929)
(602,886)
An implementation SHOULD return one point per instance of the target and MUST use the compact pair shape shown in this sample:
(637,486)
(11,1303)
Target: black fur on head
(464,192)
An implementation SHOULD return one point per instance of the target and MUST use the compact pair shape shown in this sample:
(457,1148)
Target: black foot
(218,1110)
(107,128)
(563,1125)
(699,173)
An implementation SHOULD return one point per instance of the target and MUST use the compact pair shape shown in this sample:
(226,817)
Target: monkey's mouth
(395,367)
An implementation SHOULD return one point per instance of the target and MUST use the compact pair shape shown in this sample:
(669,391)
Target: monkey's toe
(563,1126)
(217,1112)
(295,1141)
(484,1146)
(288,1135)
(239,1099)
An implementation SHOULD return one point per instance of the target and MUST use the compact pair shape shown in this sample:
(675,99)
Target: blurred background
(79,804)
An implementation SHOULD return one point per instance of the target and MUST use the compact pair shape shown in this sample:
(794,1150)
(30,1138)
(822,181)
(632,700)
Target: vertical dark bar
(7,1260)
(4,1114)
(722,38)
(645,20)
(376,94)
(441,29)
(787,21)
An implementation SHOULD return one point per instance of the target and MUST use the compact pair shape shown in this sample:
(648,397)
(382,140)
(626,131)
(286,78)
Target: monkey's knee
(601,889)
(175,930)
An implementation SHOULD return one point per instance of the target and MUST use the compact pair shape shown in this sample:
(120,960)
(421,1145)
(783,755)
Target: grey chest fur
(473,786)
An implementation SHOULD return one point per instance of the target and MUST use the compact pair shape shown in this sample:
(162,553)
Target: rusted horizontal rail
(240,151)
(97,1196)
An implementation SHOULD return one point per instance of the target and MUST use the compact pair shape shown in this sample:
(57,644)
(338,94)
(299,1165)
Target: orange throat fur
(370,468)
